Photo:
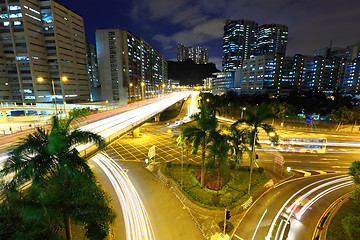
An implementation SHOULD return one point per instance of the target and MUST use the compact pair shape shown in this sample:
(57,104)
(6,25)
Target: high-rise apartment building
(129,68)
(239,43)
(197,54)
(42,39)
(277,74)
(272,38)
(272,73)
(181,52)
(93,72)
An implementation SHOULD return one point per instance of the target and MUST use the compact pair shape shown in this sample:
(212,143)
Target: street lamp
(64,79)
(142,90)
(131,91)
(242,112)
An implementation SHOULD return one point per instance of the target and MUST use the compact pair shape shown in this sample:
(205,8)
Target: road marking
(321,172)
(319,162)
(306,174)
(338,167)
(329,159)
(238,237)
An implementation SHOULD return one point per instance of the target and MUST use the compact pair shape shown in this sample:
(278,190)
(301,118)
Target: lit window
(17,23)
(15,15)
(6,24)
(22,58)
(12,8)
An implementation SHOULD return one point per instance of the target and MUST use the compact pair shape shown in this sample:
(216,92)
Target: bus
(302,145)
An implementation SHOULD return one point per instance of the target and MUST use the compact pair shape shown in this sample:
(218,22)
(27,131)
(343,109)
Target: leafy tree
(354,172)
(355,116)
(52,165)
(199,135)
(255,119)
(281,110)
(340,116)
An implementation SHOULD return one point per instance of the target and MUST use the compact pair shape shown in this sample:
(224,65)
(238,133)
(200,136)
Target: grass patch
(232,194)
(336,230)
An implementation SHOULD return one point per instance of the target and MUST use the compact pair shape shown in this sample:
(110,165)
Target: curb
(325,219)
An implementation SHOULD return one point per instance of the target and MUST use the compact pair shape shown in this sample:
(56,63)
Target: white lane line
(257,227)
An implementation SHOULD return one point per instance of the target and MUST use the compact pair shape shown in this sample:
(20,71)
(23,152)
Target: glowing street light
(64,79)
(142,90)
(242,112)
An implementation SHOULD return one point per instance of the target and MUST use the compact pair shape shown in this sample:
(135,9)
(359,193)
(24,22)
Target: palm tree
(254,120)
(220,150)
(45,157)
(199,135)
(42,152)
(238,140)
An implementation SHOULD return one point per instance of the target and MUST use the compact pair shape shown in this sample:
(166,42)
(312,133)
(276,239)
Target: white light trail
(257,227)
(320,195)
(136,219)
(268,236)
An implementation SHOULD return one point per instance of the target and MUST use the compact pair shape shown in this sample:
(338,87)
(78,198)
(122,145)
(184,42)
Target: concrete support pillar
(157,118)
(4,118)
(136,132)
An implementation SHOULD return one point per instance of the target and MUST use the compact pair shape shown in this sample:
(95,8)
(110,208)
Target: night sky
(164,23)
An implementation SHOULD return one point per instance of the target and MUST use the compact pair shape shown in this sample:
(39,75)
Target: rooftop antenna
(328,54)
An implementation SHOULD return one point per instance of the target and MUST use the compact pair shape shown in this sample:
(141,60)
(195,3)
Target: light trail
(268,236)
(281,227)
(257,227)
(136,219)
(320,195)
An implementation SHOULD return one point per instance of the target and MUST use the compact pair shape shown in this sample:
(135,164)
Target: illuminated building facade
(129,68)
(272,38)
(197,54)
(239,43)
(276,74)
(42,39)
(93,71)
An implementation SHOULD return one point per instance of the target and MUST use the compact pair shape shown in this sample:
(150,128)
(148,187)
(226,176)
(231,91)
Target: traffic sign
(309,119)
(151,152)
(279,159)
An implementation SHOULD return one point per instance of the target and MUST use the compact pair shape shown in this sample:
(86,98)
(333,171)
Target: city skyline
(311,24)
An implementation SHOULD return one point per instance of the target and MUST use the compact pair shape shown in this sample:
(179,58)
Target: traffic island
(207,206)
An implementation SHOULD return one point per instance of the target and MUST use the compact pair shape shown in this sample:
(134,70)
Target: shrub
(168,164)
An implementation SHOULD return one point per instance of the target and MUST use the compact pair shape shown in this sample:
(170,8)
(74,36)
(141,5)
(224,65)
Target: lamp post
(142,90)
(242,112)
(64,79)
(130,91)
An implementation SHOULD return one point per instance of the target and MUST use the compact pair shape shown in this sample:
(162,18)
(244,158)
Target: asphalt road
(168,217)
(267,207)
